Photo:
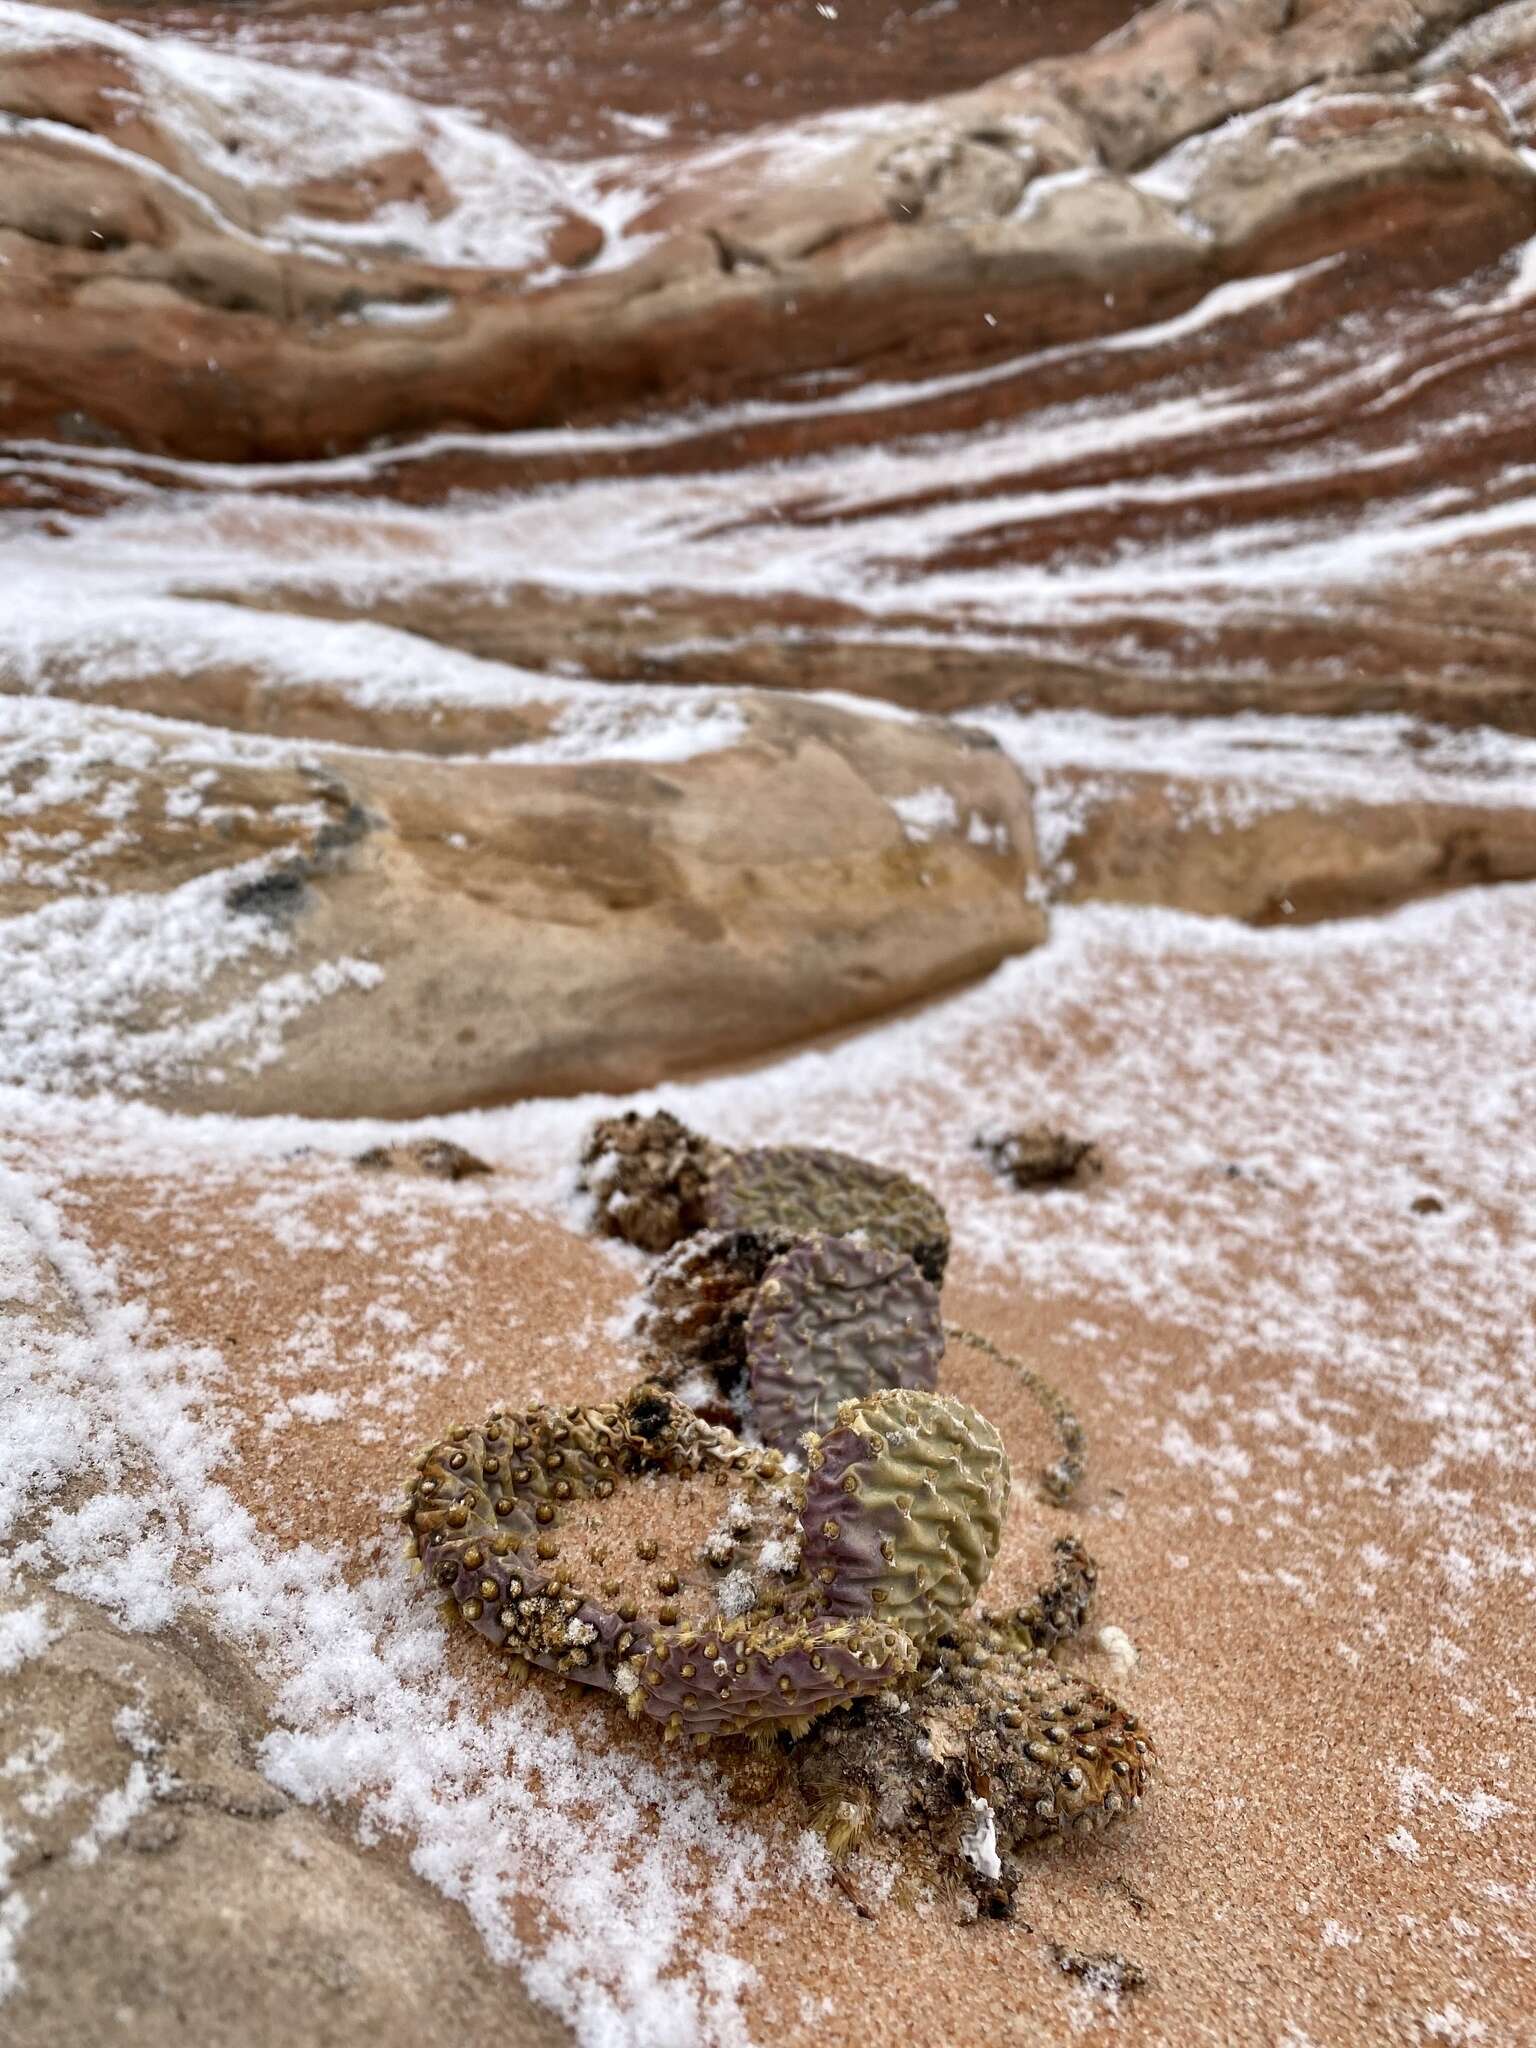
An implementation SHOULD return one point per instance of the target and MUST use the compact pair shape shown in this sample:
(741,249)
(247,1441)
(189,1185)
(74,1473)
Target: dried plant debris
(1038,1157)
(697,1301)
(1053,1614)
(654,1182)
(647,1176)
(439,1157)
(990,1751)
(1104,1971)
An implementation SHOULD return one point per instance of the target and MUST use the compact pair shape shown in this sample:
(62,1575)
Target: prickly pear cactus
(991,1752)
(831,1321)
(802,1192)
(904,1504)
(687,1602)
(1057,1611)
(635,1548)
(647,1176)
(698,1299)
(1060,1479)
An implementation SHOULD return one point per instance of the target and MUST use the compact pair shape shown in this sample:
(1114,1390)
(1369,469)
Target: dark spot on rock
(277,894)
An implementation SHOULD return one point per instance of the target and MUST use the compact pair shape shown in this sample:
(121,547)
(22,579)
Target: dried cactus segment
(1039,1157)
(697,1302)
(835,1319)
(487,1509)
(755,1672)
(903,1514)
(647,1176)
(1048,1754)
(802,1192)
(439,1157)
(1096,1757)
(1056,1612)
(1061,1479)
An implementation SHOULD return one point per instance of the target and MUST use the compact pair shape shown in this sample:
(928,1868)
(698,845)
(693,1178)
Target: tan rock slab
(339,933)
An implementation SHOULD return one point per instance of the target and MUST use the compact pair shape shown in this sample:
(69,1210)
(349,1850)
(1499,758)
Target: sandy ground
(1296,1316)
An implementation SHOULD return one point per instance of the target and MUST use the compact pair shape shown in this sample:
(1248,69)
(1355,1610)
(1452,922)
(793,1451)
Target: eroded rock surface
(1156,842)
(158,1879)
(476,287)
(1277,820)
(342,933)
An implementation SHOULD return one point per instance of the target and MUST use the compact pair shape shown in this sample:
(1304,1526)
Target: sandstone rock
(1019,199)
(1197,846)
(159,1884)
(341,933)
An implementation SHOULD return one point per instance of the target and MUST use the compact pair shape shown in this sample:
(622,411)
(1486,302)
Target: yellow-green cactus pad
(904,1504)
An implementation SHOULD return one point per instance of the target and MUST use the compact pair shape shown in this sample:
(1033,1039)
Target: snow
(78,970)
(926,813)
(25,1632)
(978,1842)
(266,131)
(96,626)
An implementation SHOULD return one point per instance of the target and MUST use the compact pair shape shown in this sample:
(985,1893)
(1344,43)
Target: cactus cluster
(655,1182)
(759,1614)
(647,1549)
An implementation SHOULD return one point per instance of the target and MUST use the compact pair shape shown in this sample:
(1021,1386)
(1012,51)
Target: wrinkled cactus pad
(647,1176)
(832,1320)
(803,1192)
(635,1548)
(904,1505)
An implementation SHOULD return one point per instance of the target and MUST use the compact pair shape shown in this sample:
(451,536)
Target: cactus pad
(904,1502)
(647,1176)
(834,1320)
(803,1192)
(540,1529)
